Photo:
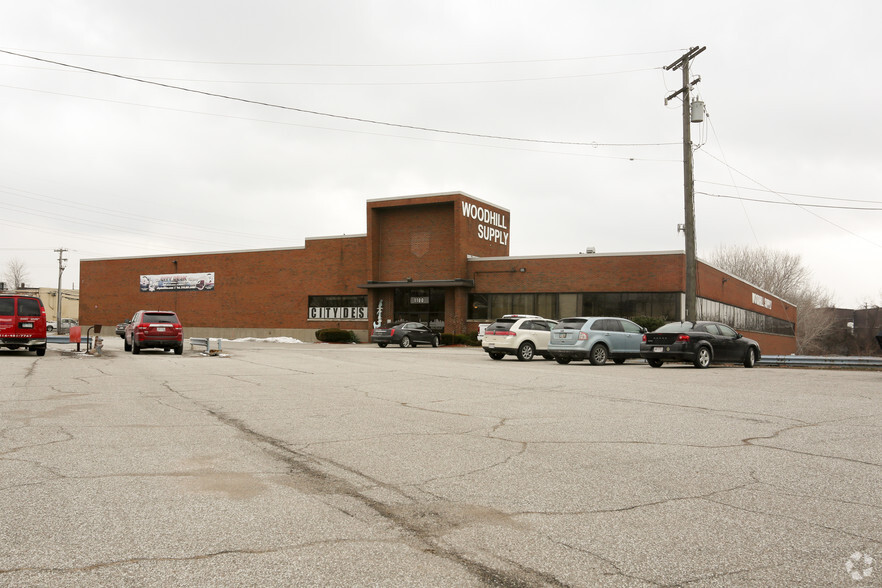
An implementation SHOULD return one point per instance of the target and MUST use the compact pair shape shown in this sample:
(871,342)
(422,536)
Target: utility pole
(688,182)
(61,261)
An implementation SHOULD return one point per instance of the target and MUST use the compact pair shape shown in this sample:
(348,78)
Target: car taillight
(683,338)
(504,333)
(391,332)
(644,338)
(583,336)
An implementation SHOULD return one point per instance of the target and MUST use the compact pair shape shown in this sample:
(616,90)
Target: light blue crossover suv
(595,338)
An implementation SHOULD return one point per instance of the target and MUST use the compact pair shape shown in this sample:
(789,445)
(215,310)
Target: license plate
(491,345)
(160,329)
(561,335)
(658,349)
(27,325)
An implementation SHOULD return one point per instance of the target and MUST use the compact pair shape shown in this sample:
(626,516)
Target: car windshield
(504,325)
(570,323)
(682,327)
(160,317)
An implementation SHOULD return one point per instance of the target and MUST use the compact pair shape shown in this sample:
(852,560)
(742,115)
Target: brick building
(442,259)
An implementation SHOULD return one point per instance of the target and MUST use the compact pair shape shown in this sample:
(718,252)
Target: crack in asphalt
(196,557)
(420,538)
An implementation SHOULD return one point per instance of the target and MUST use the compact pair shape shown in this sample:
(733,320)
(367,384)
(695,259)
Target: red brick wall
(400,228)
(414,242)
(582,273)
(716,285)
(261,289)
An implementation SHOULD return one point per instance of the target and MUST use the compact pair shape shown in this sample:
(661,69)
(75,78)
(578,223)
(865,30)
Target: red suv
(23,323)
(154,328)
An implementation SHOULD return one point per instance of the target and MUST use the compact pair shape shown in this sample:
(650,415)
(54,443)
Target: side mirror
(738,335)
(644,330)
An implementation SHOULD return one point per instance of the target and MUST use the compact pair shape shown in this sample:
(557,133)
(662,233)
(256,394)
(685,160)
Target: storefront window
(742,319)
(479,306)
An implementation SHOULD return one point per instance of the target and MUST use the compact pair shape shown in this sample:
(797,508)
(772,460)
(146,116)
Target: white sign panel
(762,301)
(162,282)
(339,313)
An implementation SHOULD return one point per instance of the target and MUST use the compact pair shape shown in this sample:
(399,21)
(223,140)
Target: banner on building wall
(164,282)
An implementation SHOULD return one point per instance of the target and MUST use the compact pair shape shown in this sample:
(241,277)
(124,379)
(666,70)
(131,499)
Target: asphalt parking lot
(349,465)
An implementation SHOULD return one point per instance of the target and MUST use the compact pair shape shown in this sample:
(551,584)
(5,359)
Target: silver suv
(522,335)
(595,338)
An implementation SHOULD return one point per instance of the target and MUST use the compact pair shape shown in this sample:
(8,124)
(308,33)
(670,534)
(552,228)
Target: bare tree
(783,274)
(16,272)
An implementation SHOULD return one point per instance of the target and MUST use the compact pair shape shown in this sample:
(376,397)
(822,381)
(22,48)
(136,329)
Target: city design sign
(493,227)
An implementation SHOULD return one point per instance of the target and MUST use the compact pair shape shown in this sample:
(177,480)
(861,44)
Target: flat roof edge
(191,254)
(435,195)
(572,255)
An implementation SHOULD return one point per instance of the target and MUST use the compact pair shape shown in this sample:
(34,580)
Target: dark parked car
(406,335)
(121,328)
(154,328)
(701,342)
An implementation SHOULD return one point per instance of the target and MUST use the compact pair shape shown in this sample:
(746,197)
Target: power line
(803,207)
(379,84)
(325,114)
(127,215)
(789,203)
(346,65)
(357,132)
(791,193)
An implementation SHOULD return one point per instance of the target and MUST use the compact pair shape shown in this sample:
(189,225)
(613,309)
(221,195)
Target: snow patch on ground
(265,340)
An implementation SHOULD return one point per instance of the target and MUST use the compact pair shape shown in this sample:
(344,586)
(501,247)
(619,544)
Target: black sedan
(702,343)
(121,328)
(406,335)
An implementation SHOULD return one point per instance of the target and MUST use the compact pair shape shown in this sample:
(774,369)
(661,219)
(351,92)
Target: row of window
(337,301)
(664,305)
(627,304)
(741,319)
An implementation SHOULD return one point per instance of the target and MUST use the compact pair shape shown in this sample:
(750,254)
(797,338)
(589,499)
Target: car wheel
(619,361)
(135,349)
(126,345)
(562,360)
(496,356)
(41,351)
(382,345)
(526,351)
(50,328)
(655,362)
(435,341)
(750,358)
(702,357)
(179,350)
(405,341)
(599,354)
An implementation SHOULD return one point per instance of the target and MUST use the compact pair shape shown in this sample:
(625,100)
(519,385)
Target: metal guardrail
(832,361)
(204,342)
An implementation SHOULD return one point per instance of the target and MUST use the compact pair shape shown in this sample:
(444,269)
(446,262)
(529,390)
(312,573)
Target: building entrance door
(424,305)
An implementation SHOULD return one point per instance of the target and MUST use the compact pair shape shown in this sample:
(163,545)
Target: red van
(23,323)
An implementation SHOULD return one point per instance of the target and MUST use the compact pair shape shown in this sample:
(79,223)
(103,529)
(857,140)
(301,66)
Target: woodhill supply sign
(492,227)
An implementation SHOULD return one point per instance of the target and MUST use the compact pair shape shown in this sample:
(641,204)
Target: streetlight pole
(688,181)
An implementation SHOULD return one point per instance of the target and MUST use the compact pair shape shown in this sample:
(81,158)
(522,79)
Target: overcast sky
(108,167)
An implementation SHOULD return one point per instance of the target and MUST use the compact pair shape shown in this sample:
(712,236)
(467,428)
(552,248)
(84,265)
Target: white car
(521,335)
(66,324)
